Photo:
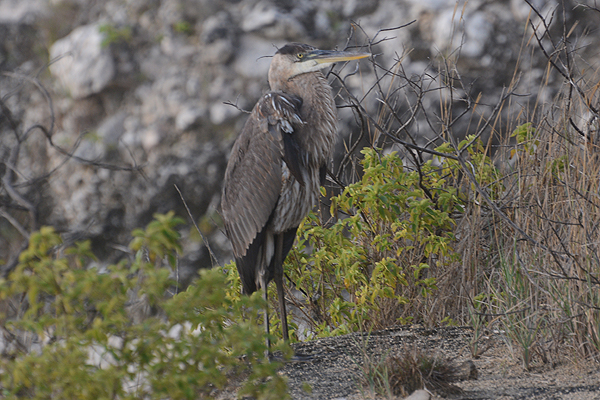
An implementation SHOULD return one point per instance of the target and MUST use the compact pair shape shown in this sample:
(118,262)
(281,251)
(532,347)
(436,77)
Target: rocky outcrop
(139,90)
(81,63)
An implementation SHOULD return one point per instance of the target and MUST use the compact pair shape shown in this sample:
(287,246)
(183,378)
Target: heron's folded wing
(252,184)
(253,176)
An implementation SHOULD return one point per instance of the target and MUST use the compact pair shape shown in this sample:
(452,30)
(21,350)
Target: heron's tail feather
(260,255)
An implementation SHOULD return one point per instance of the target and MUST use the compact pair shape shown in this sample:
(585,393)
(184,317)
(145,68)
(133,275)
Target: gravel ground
(336,368)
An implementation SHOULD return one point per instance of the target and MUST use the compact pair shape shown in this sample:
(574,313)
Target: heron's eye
(299,55)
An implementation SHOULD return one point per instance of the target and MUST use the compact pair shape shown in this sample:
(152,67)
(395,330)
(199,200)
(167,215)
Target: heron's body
(278,163)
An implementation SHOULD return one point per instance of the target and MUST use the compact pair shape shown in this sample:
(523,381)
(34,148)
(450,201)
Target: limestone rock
(189,117)
(21,11)
(83,65)
(112,128)
(219,37)
(157,100)
(419,395)
(272,23)
(354,8)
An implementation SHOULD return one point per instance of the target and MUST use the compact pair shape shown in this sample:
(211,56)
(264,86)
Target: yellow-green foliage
(525,136)
(371,266)
(479,164)
(115,35)
(190,347)
(183,27)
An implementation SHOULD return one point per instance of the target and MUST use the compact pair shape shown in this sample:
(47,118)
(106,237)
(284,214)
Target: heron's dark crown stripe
(294,48)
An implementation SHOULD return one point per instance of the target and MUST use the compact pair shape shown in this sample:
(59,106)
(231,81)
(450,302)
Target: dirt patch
(336,372)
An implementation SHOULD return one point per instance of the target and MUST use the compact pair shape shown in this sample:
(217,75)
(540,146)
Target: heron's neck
(318,111)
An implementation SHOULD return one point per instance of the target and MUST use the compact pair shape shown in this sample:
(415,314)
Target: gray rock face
(272,23)
(22,11)
(147,112)
(83,65)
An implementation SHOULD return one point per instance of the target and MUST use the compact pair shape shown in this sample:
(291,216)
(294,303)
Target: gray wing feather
(253,176)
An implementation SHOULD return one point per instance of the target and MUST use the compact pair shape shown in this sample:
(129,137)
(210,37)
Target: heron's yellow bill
(331,56)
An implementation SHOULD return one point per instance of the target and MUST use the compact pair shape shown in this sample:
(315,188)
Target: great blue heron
(277,164)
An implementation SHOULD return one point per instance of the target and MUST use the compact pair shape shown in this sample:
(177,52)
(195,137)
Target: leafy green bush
(91,348)
(371,268)
(479,164)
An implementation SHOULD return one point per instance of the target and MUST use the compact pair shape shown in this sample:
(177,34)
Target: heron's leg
(264,284)
(278,277)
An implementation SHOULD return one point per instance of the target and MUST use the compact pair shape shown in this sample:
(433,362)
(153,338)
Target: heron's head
(295,59)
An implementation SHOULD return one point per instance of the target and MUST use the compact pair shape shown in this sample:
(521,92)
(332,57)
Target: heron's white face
(290,64)
(299,68)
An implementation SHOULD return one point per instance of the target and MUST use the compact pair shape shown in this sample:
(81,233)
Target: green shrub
(190,347)
(371,268)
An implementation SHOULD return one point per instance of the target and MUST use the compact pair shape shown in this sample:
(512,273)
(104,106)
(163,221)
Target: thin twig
(213,258)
